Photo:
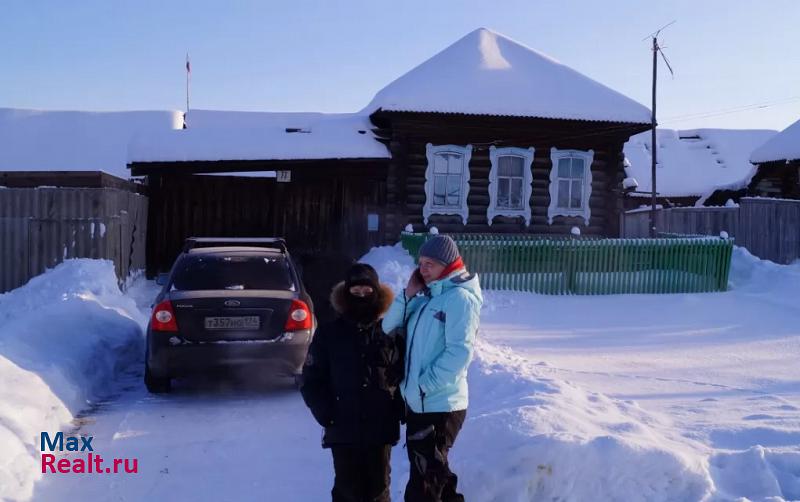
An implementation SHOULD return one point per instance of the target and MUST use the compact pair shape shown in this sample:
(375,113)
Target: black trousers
(362,473)
(429,437)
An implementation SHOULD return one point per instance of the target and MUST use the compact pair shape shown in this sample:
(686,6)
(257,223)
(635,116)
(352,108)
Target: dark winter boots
(429,437)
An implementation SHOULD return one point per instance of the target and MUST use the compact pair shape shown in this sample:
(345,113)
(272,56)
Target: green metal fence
(592,266)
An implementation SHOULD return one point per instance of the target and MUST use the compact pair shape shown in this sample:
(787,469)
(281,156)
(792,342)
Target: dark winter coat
(348,379)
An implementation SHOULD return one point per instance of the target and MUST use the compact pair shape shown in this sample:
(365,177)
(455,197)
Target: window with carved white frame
(510,183)
(447,180)
(570,184)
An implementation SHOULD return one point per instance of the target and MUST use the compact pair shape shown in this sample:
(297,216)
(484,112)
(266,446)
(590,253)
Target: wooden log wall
(407,137)
(777,179)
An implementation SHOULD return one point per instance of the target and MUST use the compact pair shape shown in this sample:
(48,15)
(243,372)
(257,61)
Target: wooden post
(654,147)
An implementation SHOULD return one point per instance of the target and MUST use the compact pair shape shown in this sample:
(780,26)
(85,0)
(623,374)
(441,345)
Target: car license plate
(240,322)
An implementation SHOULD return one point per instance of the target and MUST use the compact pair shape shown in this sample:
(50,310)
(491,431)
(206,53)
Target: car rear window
(233,272)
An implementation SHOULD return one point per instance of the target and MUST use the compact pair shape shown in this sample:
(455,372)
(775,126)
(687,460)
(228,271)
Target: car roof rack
(263,242)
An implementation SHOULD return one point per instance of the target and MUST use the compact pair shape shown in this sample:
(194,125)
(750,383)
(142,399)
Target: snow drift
(530,437)
(64,336)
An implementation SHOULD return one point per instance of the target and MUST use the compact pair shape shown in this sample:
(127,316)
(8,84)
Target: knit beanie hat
(441,248)
(361,274)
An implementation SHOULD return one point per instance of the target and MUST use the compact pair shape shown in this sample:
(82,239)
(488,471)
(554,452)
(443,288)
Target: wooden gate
(318,213)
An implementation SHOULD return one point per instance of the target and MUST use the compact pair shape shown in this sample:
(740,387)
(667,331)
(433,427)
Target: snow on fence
(41,227)
(592,266)
(768,228)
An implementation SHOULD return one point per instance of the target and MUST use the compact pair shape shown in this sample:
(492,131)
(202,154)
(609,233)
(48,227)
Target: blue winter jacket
(441,329)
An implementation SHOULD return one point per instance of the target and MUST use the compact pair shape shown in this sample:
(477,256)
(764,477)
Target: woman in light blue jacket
(441,312)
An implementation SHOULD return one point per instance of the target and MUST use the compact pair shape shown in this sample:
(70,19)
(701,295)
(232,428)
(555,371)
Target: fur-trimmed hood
(340,297)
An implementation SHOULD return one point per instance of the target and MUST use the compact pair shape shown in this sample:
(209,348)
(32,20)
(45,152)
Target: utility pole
(654,147)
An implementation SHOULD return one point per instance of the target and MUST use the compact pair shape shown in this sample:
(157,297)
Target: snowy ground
(628,397)
(716,372)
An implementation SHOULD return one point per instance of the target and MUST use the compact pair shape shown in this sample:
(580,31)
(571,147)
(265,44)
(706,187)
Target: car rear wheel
(154,384)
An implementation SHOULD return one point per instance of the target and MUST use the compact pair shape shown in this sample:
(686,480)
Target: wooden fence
(682,220)
(41,227)
(768,228)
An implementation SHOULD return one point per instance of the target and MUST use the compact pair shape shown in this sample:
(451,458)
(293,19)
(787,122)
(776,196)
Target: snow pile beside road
(393,264)
(64,336)
(763,279)
(530,437)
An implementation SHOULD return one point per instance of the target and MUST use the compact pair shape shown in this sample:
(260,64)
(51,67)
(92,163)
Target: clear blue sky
(332,56)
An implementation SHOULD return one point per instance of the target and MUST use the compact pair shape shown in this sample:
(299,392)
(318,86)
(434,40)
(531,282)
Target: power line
(727,111)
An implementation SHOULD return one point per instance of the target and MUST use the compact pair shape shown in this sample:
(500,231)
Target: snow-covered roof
(224,135)
(33,140)
(486,73)
(695,162)
(784,146)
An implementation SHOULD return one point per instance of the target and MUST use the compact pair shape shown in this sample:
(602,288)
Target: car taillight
(164,317)
(299,317)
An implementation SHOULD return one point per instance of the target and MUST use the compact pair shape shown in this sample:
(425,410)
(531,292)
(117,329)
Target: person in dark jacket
(349,385)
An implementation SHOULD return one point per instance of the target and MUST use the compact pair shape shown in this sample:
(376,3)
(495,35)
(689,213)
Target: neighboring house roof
(486,73)
(33,140)
(223,135)
(784,146)
(694,162)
